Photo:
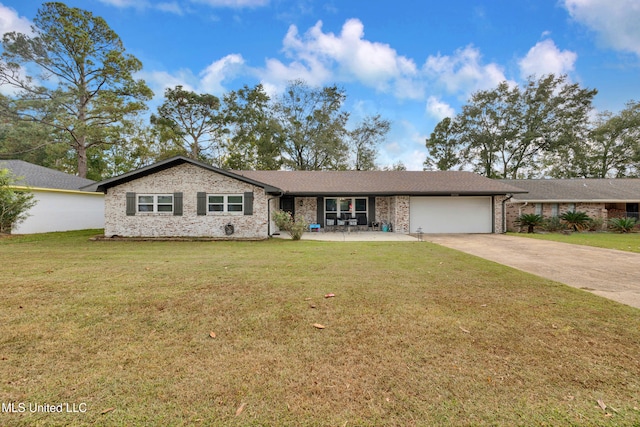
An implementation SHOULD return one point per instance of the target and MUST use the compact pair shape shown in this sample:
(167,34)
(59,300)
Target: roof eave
(169,163)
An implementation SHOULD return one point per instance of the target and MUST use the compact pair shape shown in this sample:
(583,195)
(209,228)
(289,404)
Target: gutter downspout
(520,213)
(269,212)
(504,213)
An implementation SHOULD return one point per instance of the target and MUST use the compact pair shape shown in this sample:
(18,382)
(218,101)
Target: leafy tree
(82,85)
(444,146)
(255,139)
(192,124)
(397,166)
(364,140)
(14,204)
(312,127)
(504,132)
(610,149)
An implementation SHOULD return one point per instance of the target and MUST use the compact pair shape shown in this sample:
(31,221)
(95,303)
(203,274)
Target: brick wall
(308,208)
(514,210)
(188,179)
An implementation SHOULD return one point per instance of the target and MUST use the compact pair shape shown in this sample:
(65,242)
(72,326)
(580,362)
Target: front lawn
(629,242)
(416,334)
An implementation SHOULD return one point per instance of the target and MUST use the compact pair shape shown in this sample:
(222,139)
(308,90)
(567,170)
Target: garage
(469,214)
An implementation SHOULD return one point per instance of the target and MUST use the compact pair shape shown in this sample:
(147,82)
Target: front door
(287,204)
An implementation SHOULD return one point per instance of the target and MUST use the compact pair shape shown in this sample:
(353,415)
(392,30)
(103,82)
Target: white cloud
(233,3)
(546,58)
(138,4)
(463,72)
(438,109)
(170,7)
(211,78)
(615,22)
(318,56)
(11,21)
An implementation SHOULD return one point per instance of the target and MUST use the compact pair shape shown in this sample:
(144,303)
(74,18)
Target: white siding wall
(63,211)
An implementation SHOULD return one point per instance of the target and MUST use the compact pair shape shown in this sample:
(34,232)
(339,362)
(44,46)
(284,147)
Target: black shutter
(202,203)
(372,210)
(248,203)
(131,204)
(177,204)
(320,219)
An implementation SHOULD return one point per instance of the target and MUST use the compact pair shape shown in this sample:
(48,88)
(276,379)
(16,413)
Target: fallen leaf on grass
(318,326)
(602,405)
(464,330)
(107,411)
(240,409)
(312,306)
(329,295)
(212,334)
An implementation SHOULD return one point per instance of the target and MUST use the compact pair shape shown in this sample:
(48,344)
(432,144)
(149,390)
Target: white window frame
(539,209)
(352,202)
(225,204)
(155,204)
(555,209)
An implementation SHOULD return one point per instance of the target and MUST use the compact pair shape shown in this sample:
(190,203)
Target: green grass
(417,334)
(624,242)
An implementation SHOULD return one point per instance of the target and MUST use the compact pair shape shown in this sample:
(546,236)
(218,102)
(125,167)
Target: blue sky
(412,62)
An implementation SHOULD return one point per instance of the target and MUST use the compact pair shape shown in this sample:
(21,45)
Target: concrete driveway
(606,272)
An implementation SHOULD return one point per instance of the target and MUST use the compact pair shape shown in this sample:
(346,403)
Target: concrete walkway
(609,273)
(354,236)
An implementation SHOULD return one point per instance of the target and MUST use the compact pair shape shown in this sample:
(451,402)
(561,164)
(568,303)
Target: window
(346,207)
(225,203)
(155,203)
(554,209)
(571,207)
(539,209)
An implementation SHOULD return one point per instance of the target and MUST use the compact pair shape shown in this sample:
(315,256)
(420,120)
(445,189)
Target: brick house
(184,197)
(599,198)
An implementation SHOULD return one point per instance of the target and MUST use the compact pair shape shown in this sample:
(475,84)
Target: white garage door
(450,214)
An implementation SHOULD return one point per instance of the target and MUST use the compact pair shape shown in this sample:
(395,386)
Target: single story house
(61,203)
(184,197)
(599,198)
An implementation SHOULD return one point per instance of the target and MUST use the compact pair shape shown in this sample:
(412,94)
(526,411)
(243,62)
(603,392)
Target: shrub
(294,226)
(622,225)
(530,221)
(554,224)
(576,221)
(595,224)
(13,204)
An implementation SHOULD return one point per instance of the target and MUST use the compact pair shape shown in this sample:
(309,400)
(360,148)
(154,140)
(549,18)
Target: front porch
(365,236)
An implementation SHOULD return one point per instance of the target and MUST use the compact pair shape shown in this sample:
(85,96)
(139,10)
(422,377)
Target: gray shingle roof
(381,182)
(338,183)
(38,176)
(577,190)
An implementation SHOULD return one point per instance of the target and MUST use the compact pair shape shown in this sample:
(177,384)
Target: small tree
(576,221)
(294,226)
(530,221)
(14,204)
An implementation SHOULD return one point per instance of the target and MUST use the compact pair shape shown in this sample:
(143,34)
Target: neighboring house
(61,203)
(184,197)
(599,198)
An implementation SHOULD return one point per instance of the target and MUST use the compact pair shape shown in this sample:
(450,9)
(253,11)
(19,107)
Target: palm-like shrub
(576,221)
(622,225)
(530,221)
